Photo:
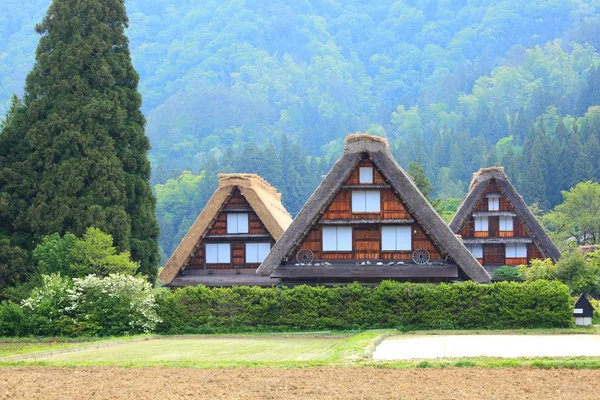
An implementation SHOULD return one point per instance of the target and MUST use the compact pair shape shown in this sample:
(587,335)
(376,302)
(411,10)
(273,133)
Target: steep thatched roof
(479,184)
(377,149)
(262,197)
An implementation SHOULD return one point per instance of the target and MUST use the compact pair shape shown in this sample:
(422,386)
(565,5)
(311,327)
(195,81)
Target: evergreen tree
(415,170)
(533,186)
(592,150)
(84,136)
(582,170)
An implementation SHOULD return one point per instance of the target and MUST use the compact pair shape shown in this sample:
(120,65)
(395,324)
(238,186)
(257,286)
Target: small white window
(516,250)
(396,238)
(476,250)
(337,238)
(493,203)
(237,223)
(481,224)
(366,201)
(218,253)
(366,175)
(257,252)
(506,224)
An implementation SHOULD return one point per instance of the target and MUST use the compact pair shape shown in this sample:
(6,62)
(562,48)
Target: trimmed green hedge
(501,305)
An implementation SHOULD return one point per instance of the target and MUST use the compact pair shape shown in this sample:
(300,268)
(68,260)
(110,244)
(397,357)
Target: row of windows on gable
(393,238)
(220,253)
(512,250)
(482,224)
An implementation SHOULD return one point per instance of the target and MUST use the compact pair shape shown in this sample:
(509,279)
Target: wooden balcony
(481,234)
(506,234)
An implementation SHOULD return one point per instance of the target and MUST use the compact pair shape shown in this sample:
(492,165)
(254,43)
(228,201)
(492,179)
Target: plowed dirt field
(309,383)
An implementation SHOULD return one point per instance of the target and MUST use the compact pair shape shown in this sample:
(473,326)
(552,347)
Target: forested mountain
(273,87)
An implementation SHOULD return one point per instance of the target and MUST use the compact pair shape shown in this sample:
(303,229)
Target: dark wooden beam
(365,221)
(366,186)
(496,240)
(239,236)
(494,214)
(237,209)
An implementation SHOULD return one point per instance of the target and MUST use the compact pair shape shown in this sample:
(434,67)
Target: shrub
(390,305)
(114,305)
(539,269)
(507,273)
(579,273)
(45,309)
(70,256)
(12,319)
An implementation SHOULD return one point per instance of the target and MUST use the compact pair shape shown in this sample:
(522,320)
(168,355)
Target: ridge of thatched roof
(377,148)
(479,184)
(262,197)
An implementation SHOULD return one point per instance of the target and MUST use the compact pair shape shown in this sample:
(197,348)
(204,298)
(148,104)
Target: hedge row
(467,305)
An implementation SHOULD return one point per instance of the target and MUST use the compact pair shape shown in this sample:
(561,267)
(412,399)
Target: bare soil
(310,383)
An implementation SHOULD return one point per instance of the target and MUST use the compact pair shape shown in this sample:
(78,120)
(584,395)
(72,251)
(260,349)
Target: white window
(366,175)
(516,250)
(237,223)
(396,238)
(366,201)
(475,249)
(506,224)
(257,252)
(337,238)
(218,253)
(481,224)
(493,203)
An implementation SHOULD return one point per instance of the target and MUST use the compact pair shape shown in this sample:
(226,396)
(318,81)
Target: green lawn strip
(317,349)
(276,351)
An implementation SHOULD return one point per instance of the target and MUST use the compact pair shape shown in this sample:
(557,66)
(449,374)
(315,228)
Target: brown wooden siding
(516,261)
(366,237)
(236,202)
(534,252)
(493,226)
(366,245)
(354,176)
(341,207)
(506,234)
(494,254)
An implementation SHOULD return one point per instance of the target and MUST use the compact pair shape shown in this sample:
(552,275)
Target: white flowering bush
(110,306)
(46,306)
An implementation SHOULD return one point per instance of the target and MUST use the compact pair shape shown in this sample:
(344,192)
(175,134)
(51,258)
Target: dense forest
(273,88)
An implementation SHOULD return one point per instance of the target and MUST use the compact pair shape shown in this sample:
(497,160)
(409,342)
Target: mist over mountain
(274,87)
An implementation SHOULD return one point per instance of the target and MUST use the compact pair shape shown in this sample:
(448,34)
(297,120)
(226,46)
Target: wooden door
(494,255)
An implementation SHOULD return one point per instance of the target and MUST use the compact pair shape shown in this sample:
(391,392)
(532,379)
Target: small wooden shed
(584,311)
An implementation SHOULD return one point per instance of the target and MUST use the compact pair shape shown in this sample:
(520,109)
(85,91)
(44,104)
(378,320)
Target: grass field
(291,350)
(216,367)
(259,350)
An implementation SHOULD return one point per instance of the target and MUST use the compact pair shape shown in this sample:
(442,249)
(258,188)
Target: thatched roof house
(496,224)
(367,221)
(231,236)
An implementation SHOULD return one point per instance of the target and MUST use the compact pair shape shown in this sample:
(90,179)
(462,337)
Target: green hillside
(271,87)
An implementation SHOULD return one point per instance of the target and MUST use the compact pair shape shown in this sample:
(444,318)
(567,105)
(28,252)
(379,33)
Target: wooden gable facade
(231,237)
(220,233)
(367,228)
(496,225)
(496,234)
(367,222)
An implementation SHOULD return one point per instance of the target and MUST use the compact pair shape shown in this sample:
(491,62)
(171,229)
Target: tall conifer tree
(85,132)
